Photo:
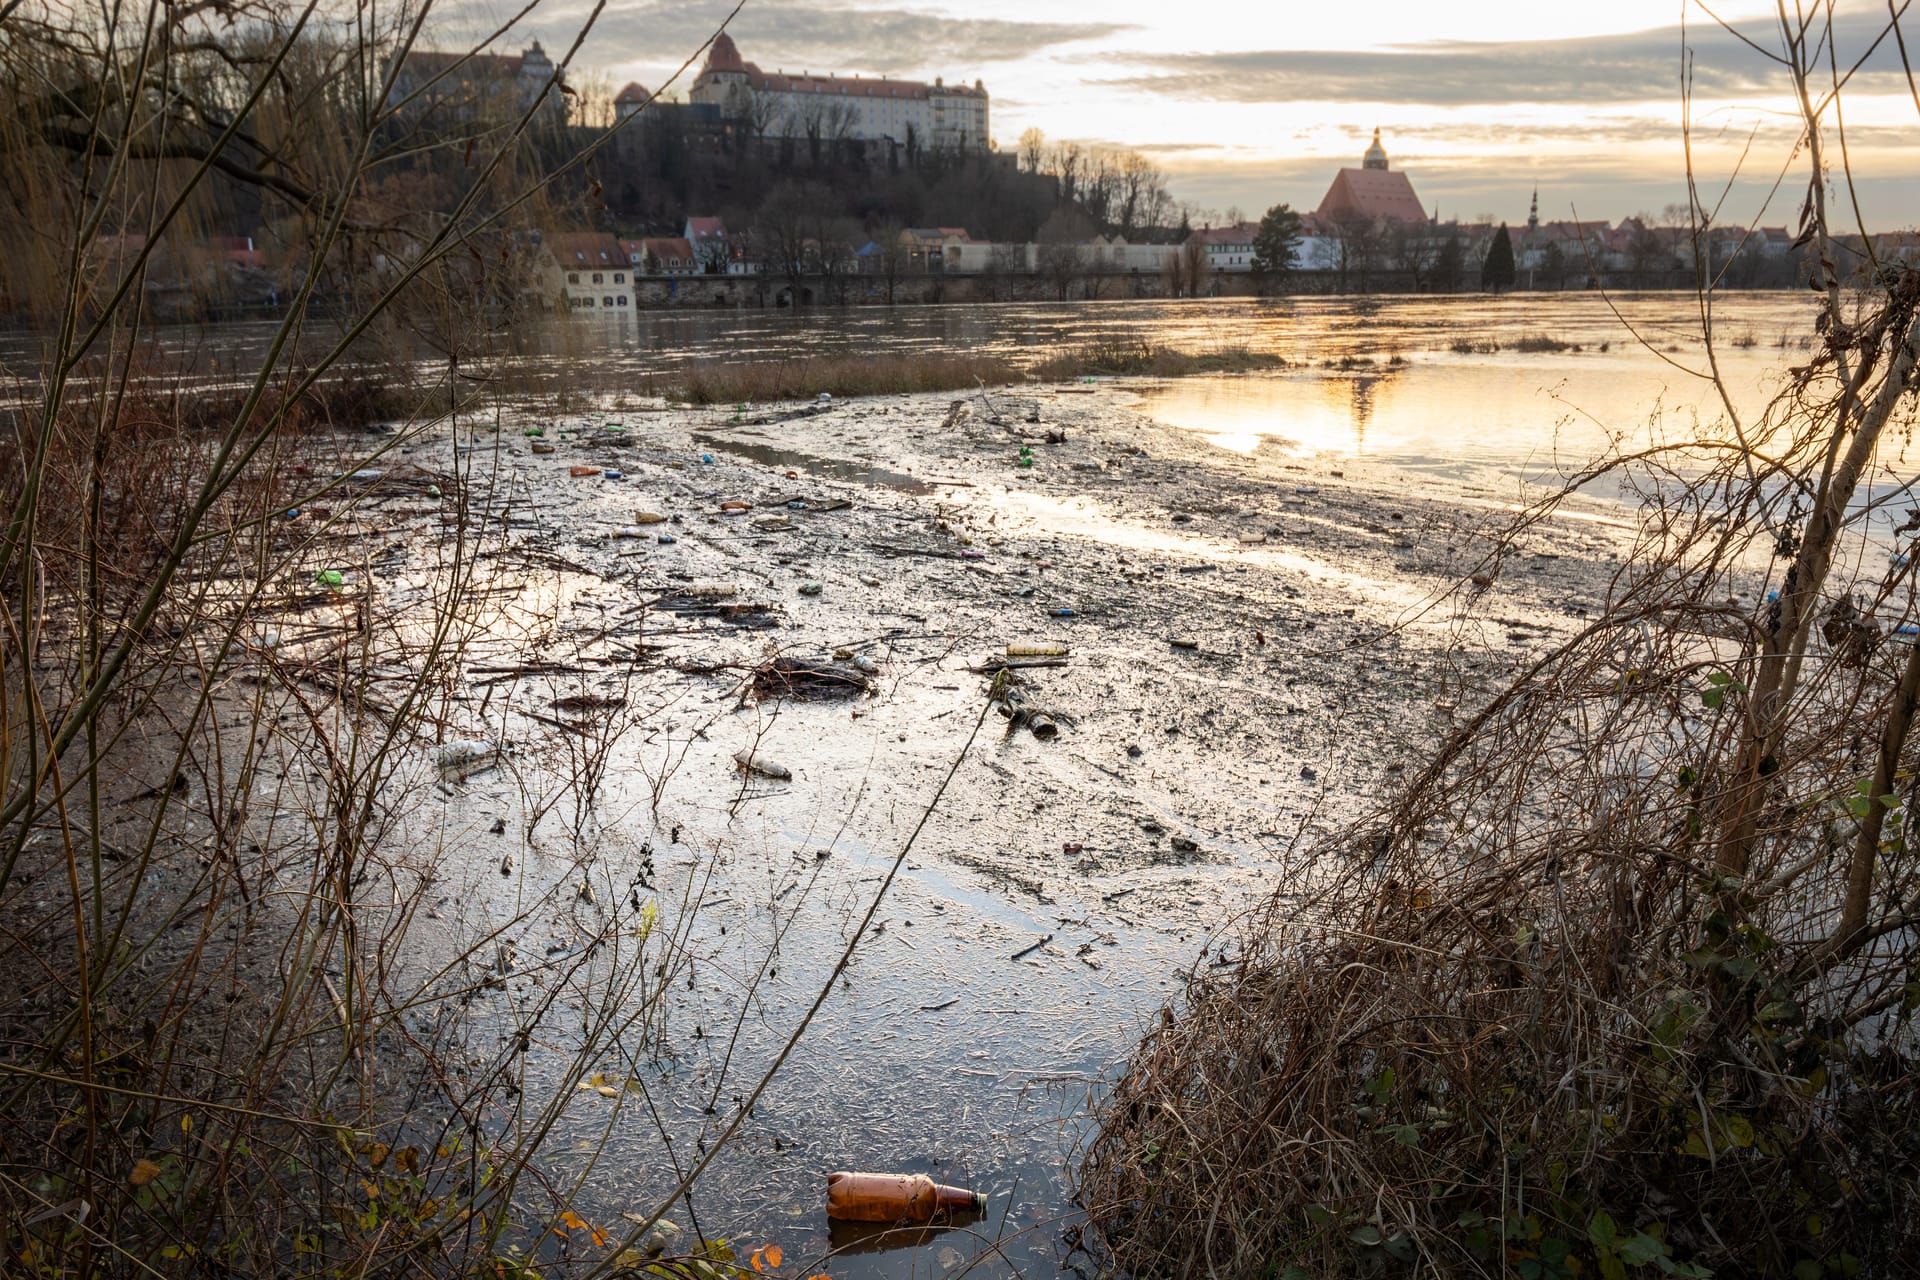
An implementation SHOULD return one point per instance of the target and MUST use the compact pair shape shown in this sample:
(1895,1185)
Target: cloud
(818,35)
(1637,67)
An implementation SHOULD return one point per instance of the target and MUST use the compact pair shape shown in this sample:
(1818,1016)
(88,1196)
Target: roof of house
(1372,194)
(1238,233)
(706,229)
(670,248)
(634,94)
(584,249)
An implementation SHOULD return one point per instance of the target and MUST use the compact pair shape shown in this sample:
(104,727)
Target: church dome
(1376,154)
(724,56)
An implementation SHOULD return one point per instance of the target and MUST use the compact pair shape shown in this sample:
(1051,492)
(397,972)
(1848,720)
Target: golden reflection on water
(1437,410)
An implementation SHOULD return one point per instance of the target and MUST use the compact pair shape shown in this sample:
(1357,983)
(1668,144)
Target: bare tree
(1033,150)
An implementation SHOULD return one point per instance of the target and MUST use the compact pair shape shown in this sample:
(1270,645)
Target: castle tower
(1376,157)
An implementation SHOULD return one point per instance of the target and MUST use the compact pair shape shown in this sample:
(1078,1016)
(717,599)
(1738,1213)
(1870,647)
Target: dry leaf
(144,1171)
(774,1255)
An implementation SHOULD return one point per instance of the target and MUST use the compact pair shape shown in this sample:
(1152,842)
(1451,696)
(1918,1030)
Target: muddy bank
(1255,646)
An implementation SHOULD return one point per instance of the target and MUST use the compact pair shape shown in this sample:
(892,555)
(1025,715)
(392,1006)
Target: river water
(1407,381)
(954,1047)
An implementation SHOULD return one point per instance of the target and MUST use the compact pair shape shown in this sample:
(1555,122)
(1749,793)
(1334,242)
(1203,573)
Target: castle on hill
(937,116)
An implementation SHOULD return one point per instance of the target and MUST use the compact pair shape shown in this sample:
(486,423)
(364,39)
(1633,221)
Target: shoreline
(1062,885)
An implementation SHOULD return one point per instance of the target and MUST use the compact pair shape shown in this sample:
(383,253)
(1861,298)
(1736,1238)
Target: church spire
(1533,212)
(1376,157)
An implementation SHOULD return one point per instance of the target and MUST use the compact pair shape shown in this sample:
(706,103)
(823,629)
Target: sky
(1250,105)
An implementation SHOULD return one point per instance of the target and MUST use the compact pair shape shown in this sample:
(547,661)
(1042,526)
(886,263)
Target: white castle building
(936,116)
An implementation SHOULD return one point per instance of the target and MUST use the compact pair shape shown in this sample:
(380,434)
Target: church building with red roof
(1373,193)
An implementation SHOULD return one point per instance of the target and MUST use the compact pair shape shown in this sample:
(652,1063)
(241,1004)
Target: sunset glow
(1260,103)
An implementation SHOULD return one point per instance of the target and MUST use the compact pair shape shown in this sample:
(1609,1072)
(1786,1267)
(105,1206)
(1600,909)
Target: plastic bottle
(895,1197)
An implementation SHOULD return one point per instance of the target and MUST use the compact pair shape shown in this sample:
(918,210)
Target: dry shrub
(1623,981)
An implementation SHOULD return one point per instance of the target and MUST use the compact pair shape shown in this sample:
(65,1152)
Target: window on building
(596,277)
(619,277)
(586,302)
(573,277)
(623,299)
(606,302)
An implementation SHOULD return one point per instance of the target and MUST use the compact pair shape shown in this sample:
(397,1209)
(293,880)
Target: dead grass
(1622,981)
(1136,357)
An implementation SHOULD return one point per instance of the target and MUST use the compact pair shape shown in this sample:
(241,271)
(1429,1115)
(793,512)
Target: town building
(630,100)
(586,271)
(708,238)
(1375,193)
(1229,249)
(935,116)
(661,256)
(446,88)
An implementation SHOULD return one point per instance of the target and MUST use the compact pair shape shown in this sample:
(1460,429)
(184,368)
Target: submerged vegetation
(901,373)
(1622,981)
(806,377)
(1138,357)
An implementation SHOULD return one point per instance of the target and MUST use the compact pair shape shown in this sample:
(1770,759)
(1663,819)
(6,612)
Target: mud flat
(1255,647)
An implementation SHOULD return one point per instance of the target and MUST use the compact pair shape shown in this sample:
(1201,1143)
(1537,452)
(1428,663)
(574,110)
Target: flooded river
(1526,381)
(1264,523)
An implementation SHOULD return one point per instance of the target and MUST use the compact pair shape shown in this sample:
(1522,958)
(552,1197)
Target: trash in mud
(628,531)
(581,473)
(666,539)
(542,447)
(812,588)
(809,677)
(461,758)
(708,591)
(648,517)
(773,524)
(1043,726)
(1185,642)
(896,1197)
(1036,649)
(588,702)
(612,473)
(753,762)
(736,504)
(330,578)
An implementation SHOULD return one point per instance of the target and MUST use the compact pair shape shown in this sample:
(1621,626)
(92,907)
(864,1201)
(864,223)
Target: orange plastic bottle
(895,1197)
